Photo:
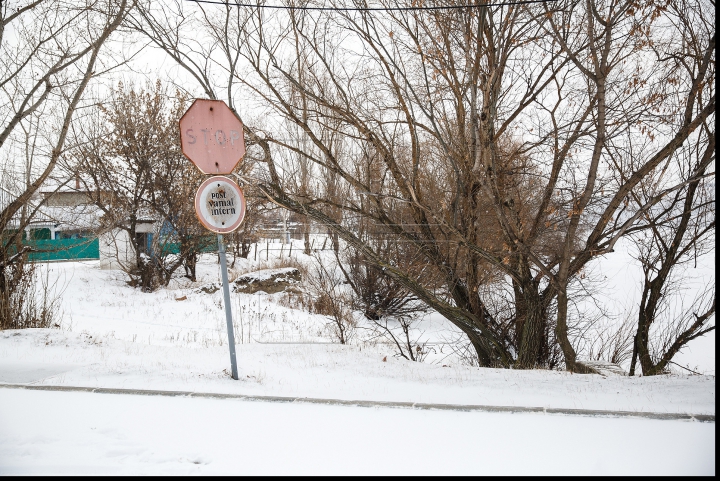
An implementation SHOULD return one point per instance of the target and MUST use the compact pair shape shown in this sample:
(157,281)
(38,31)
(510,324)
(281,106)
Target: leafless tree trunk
(680,229)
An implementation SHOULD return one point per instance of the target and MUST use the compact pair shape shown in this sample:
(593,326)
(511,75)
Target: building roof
(71,217)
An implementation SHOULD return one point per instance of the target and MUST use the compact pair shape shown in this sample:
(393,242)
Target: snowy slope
(116,336)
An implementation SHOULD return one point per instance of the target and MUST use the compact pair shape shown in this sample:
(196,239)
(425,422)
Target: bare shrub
(391,308)
(397,331)
(329,297)
(30,300)
(462,352)
(296,299)
(612,343)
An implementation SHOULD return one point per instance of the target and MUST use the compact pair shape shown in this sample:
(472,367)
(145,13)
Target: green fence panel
(209,244)
(89,248)
(64,249)
(171,248)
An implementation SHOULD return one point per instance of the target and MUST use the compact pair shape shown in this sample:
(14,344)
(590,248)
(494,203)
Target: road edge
(705,418)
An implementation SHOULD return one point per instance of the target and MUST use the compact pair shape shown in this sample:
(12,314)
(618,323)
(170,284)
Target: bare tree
(501,141)
(681,229)
(49,52)
(172,198)
(656,101)
(139,176)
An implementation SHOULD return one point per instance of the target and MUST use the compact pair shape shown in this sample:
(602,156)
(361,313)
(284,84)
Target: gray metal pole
(228,308)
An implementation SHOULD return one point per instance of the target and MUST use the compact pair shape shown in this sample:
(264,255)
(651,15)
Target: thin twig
(678,365)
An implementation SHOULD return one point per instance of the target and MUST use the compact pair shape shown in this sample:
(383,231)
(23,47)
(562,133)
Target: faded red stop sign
(211,136)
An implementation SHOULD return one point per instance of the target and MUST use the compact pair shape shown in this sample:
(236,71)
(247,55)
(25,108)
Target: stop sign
(211,136)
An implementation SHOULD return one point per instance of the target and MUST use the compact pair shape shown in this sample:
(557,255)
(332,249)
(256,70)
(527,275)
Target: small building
(63,227)
(66,225)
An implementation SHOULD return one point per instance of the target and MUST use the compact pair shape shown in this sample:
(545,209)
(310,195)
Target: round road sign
(220,205)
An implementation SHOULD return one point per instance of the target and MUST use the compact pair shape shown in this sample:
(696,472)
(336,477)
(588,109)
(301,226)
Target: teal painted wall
(89,248)
(210,245)
(64,249)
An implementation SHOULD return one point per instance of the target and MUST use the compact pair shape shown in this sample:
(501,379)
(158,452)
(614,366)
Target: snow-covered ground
(81,433)
(115,336)
(333,371)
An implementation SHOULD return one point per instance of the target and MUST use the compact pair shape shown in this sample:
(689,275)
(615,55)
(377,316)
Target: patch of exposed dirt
(270,281)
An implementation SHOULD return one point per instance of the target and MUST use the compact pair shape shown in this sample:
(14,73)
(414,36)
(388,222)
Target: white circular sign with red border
(220,204)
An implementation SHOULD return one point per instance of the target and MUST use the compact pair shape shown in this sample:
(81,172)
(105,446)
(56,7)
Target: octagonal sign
(211,136)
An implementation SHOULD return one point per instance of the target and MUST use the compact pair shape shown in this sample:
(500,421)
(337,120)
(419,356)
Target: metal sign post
(220,207)
(228,308)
